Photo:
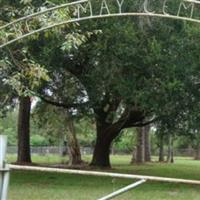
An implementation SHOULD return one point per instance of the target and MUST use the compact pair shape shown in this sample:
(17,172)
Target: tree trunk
(147,144)
(170,154)
(197,153)
(72,142)
(161,149)
(133,159)
(140,146)
(24,153)
(64,150)
(106,133)
(169,149)
(101,155)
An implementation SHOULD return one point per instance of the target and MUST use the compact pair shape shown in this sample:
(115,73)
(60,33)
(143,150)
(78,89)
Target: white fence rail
(4,175)
(142,179)
(123,190)
(4,170)
(104,174)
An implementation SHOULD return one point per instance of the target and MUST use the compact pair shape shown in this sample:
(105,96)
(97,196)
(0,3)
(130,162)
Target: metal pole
(123,190)
(4,170)
(104,174)
(3,141)
(3,144)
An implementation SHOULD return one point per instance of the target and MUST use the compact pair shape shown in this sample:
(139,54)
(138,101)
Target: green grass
(52,186)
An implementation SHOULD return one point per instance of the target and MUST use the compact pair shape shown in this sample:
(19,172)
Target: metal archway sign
(81,10)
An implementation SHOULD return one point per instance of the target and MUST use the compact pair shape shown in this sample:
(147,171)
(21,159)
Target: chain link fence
(59,150)
(46,150)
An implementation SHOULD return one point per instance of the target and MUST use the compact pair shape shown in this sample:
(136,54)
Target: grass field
(52,186)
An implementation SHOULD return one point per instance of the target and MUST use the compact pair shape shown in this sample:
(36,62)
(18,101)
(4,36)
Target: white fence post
(4,170)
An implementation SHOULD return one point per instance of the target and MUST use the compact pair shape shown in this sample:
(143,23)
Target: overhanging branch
(63,105)
(141,124)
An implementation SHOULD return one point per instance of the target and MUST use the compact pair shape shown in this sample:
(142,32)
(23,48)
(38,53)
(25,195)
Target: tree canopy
(122,72)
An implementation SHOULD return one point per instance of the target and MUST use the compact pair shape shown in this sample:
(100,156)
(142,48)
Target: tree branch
(141,124)
(63,105)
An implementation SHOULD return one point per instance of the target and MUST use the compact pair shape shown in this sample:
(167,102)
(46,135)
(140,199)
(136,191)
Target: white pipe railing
(104,174)
(142,179)
(4,170)
(123,190)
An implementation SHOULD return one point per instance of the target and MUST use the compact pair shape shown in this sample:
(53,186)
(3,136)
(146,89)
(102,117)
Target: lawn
(52,186)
